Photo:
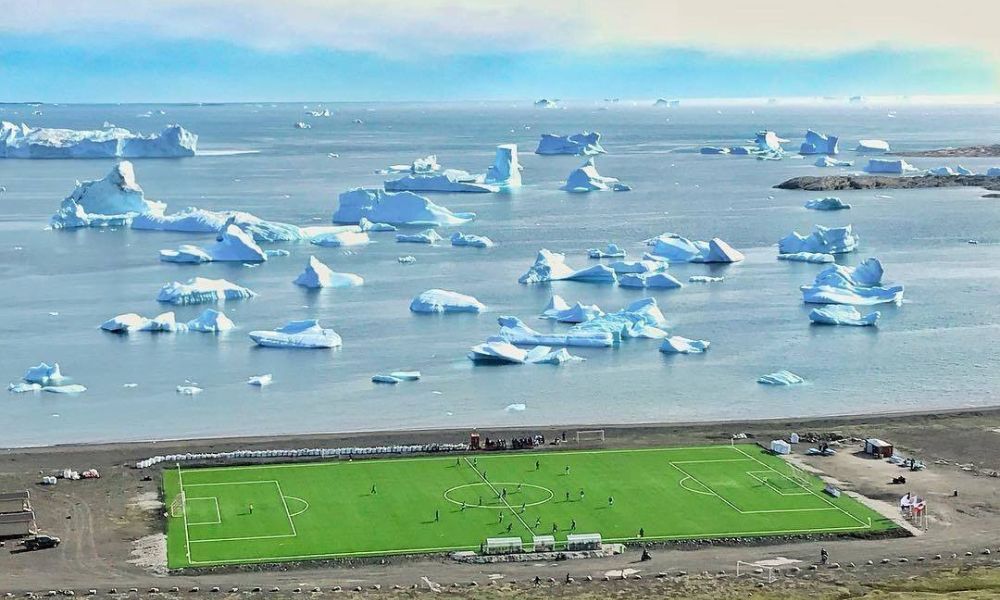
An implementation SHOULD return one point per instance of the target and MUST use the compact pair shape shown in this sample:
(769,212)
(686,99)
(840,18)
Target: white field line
(499,495)
(187,536)
(218,513)
(294,533)
(768,483)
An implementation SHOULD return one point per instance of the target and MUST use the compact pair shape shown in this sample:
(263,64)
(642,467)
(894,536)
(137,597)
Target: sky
(402,50)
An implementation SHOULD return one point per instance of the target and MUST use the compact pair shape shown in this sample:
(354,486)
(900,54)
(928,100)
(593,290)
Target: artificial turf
(319,510)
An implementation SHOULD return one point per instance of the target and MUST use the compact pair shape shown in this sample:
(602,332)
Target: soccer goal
(754,570)
(177,506)
(590,435)
(799,476)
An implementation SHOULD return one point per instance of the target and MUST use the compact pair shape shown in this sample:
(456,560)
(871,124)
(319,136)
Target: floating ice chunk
(942,171)
(319,113)
(44,374)
(234,245)
(402,208)
(302,125)
(318,275)
(337,239)
(72,388)
(543,355)
(768,141)
(558,310)
(622,267)
(960,170)
(781,377)
(514,331)
(385,379)
(675,248)
(667,103)
(427,236)
(444,301)
(551,266)
(817,143)
(578,144)
(189,390)
(895,166)
(129,322)
(199,290)
(186,254)
(475,241)
(546,103)
(676,344)
(594,274)
(872,147)
(406,375)
(823,240)
(808,257)
(742,150)
(367,225)
(505,170)
(211,321)
(515,408)
(39,142)
(839,314)
(277,252)
(586,179)
(713,150)
(826,161)
(450,180)
(498,352)
(861,285)
(406,260)
(612,251)
(829,203)
(197,220)
(639,319)
(705,279)
(993,172)
(260,380)
(298,334)
(21,388)
(649,280)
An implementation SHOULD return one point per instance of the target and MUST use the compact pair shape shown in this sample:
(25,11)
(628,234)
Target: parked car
(40,542)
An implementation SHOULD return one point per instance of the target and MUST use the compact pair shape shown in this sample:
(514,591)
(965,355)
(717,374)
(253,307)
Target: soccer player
(572,525)
(437,516)
(555,528)
(519,488)
(567,496)
(501,517)
(374,489)
(611,501)
(251,509)
(538,522)
(642,532)
(522,508)
(463,507)
(581,495)
(509,527)
(538,465)
(567,470)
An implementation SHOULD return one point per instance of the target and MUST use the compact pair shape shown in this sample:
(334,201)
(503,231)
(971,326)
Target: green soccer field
(303,511)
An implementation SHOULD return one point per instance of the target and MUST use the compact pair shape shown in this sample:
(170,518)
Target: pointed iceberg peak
(818,143)
(505,170)
(586,179)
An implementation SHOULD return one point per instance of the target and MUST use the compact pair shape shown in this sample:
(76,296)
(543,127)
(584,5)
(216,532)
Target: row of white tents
(299,453)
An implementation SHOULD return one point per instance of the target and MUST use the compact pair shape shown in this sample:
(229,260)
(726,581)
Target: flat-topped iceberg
(199,220)
(113,142)
(298,334)
(822,240)
(828,203)
(639,319)
(622,267)
(450,180)
(818,143)
(713,150)
(427,164)
(611,251)
(861,285)
(514,331)
(675,248)
(402,208)
(808,257)
(676,344)
(318,275)
(427,236)
(587,143)
(200,290)
(892,166)
(337,239)
(551,266)
(233,245)
(872,147)
(505,353)
(782,377)
(839,314)
(558,310)
(586,179)
(474,241)
(209,321)
(768,141)
(826,161)
(664,281)
(505,170)
(444,301)
(111,201)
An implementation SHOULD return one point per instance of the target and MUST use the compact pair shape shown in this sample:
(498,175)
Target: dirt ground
(112,528)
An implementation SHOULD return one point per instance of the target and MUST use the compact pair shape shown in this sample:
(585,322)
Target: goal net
(799,476)
(590,435)
(177,506)
(756,571)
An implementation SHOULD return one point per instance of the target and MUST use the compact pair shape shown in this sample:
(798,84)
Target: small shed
(17,524)
(781,447)
(878,448)
(544,543)
(504,545)
(583,541)
(15,501)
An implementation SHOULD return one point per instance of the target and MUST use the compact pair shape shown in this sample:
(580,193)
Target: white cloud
(412,28)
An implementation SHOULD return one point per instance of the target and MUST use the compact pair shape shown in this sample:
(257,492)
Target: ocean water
(938,350)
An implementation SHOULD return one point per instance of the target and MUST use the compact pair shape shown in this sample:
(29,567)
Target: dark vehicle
(40,542)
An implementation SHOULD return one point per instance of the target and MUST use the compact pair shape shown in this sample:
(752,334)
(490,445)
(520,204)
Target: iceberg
(649,280)
(450,180)
(427,236)
(829,203)
(199,290)
(892,166)
(872,147)
(443,301)
(993,172)
(822,240)
(319,113)
(942,171)
(337,239)
(579,144)
(667,103)
(129,322)
(505,170)
(403,208)
(298,334)
(611,251)
(840,314)
(514,331)
(963,171)
(475,241)
(551,266)
(72,388)
(385,379)
(233,245)
(558,310)
(861,285)
(21,388)
(676,344)
(742,150)
(675,248)
(427,164)
(543,355)
(260,380)
(768,141)
(586,179)
(406,375)
(826,161)
(44,374)
(366,226)
(406,260)
(639,319)
(518,407)
(817,143)
(621,267)
(546,103)
(705,279)
(808,257)
(302,125)
(781,377)
(197,220)
(189,390)
(112,201)
(211,321)
(318,275)
(497,353)
(113,142)
(713,150)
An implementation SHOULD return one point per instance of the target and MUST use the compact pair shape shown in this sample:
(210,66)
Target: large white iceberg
(514,331)
(551,266)
(861,285)
(200,290)
(639,319)
(112,201)
(450,180)
(817,143)
(782,377)
(676,344)
(427,236)
(675,248)
(822,240)
(298,334)
(209,321)
(840,314)
(198,220)
(113,142)
(505,170)
(403,208)
(475,241)
(586,179)
(586,144)
(444,301)
(872,147)
(318,275)
(768,141)
(828,203)
(558,310)
(892,166)
(233,245)
(826,161)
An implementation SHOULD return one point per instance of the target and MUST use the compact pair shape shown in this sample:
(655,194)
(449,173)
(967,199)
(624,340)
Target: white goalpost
(590,435)
(177,506)
(749,569)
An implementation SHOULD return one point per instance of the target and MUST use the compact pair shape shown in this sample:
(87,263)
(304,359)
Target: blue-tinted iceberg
(44,374)
(713,150)
(209,321)
(450,180)
(318,275)
(612,251)
(817,143)
(822,240)
(427,164)
(427,236)
(781,377)
(505,170)
(233,245)
(551,266)
(586,179)
(640,319)
(558,310)
(861,285)
(546,103)
(622,267)
(506,353)
(197,220)
(403,208)
(676,344)
(891,166)
(514,331)
(829,203)
(839,314)
(649,280)
(200,290)
(826,161)
(675,248)
(872,147)
(337,239)
(768,141)
(808,257)
(993,172)
(298,334)
(475,241)
(587,143)
(113,142)
(366,226)
(444,301)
